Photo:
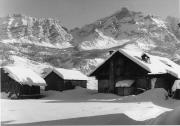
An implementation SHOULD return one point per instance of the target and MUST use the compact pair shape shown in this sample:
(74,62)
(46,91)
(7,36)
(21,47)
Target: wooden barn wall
(103,72)
(29,90)
(81,83)
(124,91)
(123,68)
(127,69)
(7,83)
(4,79)
(68,84)
(10,85)
(165,82)
(54,82)
(103,86)
(143,83)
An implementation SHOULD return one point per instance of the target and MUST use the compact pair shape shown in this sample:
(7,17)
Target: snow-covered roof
(173,68)
(70,74)
(176,85)
(24,75)
(157,65)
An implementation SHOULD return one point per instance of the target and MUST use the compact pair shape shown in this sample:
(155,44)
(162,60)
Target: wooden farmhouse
(63,79)
(20,81)
(126,72)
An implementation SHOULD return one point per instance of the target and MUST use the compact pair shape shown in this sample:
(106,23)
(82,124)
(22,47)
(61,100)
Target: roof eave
(92,73)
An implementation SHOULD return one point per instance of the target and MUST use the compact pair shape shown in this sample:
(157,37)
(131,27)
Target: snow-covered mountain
(32,42)
(42,32)
(126,28)
(147,32)
(48,41)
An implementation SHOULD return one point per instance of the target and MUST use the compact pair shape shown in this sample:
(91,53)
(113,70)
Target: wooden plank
(103,86)
(111,77)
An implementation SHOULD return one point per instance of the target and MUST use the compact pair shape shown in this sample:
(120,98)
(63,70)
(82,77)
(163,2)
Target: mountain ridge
(48,41)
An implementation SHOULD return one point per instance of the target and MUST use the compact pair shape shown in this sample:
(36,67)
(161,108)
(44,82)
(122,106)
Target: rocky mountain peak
(36,30)
(124,12)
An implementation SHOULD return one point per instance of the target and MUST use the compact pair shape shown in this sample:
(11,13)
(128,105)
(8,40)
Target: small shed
(20,81)
(146,71)
(63,79)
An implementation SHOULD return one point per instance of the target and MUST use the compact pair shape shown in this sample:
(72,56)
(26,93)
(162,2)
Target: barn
(63,79)
(127,72)
(20,81)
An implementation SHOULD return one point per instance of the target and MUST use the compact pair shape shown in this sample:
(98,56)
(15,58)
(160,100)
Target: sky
(76,13)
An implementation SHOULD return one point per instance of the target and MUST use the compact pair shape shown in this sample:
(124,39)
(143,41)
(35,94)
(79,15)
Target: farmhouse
(126,72)
(20,81)
(62,79)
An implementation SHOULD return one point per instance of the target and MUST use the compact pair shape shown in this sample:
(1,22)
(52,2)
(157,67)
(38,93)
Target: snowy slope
(44,44)
(102,42)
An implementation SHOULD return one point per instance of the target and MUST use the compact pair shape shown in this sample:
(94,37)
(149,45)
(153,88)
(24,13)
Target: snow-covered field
(83,106)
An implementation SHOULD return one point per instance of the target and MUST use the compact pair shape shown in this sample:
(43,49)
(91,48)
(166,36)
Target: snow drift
(84,103)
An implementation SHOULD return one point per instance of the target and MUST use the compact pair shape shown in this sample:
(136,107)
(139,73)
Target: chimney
(111,52)
(145,58)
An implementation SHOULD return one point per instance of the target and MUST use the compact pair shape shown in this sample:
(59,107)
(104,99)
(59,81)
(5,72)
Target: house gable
(123,67)
(54,81)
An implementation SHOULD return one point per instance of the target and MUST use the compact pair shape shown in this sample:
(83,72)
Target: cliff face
(32,30)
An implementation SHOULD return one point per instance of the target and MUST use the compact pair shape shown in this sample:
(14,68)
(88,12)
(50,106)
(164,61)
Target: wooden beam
(111,77)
